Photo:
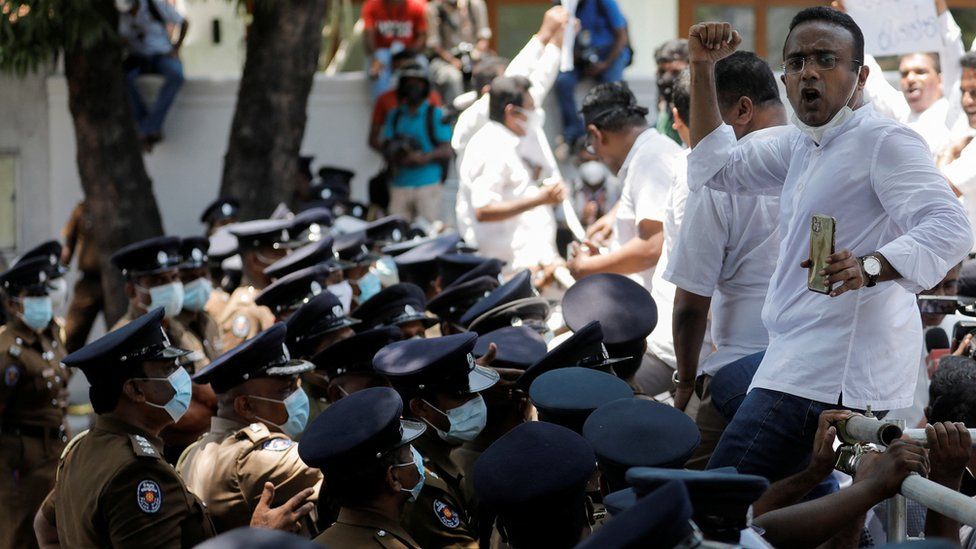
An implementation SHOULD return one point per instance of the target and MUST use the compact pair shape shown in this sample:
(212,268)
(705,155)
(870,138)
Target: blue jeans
(730,384)
(150,121)
(566,88)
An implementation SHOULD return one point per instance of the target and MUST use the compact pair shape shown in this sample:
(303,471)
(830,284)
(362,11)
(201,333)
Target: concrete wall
(651,23)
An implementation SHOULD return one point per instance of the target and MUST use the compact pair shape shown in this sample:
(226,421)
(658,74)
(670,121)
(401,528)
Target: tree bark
(114,179)
(261,164)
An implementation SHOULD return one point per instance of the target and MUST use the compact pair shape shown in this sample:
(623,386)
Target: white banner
(569,36)
(895,27)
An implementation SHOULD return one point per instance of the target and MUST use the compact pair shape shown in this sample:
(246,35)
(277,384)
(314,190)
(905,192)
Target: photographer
(416,144)
(601,52)
(458,36)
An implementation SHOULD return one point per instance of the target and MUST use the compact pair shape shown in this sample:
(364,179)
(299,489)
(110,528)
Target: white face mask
(343,291)
(534,119)
(168,296)
(816,133)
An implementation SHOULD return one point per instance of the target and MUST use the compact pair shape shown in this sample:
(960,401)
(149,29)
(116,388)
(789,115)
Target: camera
(584,54)
(959,331)
(397,148)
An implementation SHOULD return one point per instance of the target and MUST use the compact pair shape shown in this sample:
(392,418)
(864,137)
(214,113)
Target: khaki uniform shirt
(215,305)
(360,528)
(35,383)
(205,329)
(115,490)
(438,517)
(242,319)
(228,467)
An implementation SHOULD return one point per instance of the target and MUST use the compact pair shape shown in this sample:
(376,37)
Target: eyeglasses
(823,61)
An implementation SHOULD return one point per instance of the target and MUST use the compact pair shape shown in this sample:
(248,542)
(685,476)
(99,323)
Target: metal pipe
(918,435)
(857,429)
(940,499)
(897,515)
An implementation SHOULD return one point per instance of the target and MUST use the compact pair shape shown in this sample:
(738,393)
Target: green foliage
(35,32)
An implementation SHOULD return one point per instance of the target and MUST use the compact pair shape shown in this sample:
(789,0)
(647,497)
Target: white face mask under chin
(816,133)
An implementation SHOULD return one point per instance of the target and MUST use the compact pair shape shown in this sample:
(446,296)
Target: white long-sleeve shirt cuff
(710,155)
(920,269)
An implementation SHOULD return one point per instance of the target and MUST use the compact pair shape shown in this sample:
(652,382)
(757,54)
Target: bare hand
(286,516)
(375,66)
(596,69)
(839,6)
(488,357)
(553,23)
(552,194)
(941,7)
(711,42)
(456,63)
(823,459)
(599,232)
(841,267)
(682,395)
(886,471)
(952,152)
(415,158)
(964,346)
(949,450)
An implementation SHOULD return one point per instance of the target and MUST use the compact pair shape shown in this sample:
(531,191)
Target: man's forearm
(619,43)
(183,28)
(786,492)
(705,115)
(500,211)
(814,522)
(442,152)
(637,255)
(689,322)
(369,40)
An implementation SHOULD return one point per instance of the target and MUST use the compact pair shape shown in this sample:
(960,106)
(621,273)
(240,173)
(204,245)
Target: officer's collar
(438,452)
(23,333)
(358,516)
(115,425)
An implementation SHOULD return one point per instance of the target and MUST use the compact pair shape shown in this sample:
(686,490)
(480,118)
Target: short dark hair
(833,17)
(486,70)
(672,50)
(613,107)
(936,62)
(968,60)
(505,91)
(744,74)
(952,393)
(681,96)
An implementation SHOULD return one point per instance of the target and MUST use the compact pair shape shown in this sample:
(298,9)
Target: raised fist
(712,42)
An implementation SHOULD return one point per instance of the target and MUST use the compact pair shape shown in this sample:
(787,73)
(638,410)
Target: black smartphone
(938,304)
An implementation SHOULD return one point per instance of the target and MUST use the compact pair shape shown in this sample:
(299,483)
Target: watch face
(872,266)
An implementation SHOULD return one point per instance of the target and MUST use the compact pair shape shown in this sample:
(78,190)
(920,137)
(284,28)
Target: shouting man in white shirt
(500,207)
(898,224)
(724,257)
(960,169)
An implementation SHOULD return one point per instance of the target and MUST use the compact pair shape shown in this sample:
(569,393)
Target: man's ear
(418,408)
(132,391)
(242,407)
(782,79)
(333,393)
(393,479)
(745,110)
(596,132)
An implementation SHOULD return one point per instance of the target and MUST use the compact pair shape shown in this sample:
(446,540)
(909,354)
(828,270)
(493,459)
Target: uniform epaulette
(142,447)
(255,432)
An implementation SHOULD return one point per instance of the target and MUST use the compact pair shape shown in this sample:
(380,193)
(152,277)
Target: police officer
(455,300)
(33,399)
(535,478)
(311,225)
(51,250)
(420,266)
(567,396)
(318,324)
(660,519)
(222,211)
(260,243)
(250,441)
(198,290)
(151,272)
(87,299)
(363,446)
(400,305)
(514,303)
(287,294)
(354,252)
(114,489)
(440,383)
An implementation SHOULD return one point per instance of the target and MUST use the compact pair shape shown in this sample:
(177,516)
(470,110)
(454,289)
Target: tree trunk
(113,177)
(261,164)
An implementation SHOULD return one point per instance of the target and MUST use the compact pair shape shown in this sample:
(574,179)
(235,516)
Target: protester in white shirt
(726,248)
(899,230)
(500,207)
(961,170)
(928,99)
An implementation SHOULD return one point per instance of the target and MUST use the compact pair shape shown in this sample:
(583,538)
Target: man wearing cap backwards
(363,446)
(198,290)
(150,268)
(440,383)
(137,389)
(260,243)
(261,408)
(33,399)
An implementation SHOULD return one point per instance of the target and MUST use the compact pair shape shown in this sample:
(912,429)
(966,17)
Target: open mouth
(809,95)
(913,92)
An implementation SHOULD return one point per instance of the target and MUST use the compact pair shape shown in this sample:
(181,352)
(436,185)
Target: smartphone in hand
(821,246)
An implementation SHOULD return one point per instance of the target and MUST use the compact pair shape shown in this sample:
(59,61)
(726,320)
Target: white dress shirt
(647,173)
(877,178)
(538,62)
(962,173)
(727,249)
(493,171)
(932,124)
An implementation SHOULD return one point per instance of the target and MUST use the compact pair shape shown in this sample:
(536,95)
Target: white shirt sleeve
(916,197)
(695,263)
(650,182)
(961,172)
(489,186)
(757,166)
(468,123)
(168,12)
(526,58)
(885,98)
(952,50)
(544,73)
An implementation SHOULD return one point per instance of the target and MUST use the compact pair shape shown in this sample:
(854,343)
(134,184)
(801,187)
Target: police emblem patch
(149,496)
(11,376)
(240,326)
(446,515)
(277,444)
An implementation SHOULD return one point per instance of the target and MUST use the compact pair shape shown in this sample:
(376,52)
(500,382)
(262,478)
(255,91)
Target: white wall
(651,22)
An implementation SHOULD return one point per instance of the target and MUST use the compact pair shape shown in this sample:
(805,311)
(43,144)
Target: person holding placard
(928,81)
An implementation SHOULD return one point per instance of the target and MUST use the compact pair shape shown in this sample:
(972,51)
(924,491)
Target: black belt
(33,431)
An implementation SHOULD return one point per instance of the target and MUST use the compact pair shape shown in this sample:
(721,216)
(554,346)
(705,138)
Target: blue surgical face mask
(467,421)
(183,390)
(386,269)
(168,296)
(418,462)
(343,291)
(196,293)
(296,404)
(38,312)
(369,285)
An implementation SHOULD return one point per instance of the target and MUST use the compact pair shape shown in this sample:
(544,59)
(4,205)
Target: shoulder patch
(240,326)
(148,496)
(142,447)
(11,375)
(277,444)
(447,515)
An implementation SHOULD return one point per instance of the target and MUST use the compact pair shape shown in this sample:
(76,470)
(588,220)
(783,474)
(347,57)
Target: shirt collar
(865,110)
(638,143)
(116,426)
(224,425)
(357,516)
(506,137)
